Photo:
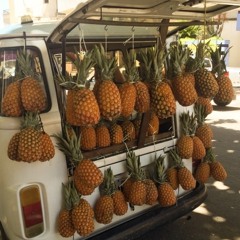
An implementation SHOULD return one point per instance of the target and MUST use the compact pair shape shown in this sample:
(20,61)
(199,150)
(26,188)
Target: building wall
(230,33)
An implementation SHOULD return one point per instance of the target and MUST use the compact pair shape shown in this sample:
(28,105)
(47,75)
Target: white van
(31,193)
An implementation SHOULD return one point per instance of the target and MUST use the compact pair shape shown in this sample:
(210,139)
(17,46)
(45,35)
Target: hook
(106,28)
(133,29)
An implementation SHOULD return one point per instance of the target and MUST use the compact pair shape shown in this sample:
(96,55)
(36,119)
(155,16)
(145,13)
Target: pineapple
(137,124)
(82,214)
(185,177)
(11,102)
(128,130)
(116,133)
(88,138)
(120,205)
(64,221)
(182,82)
(199,150)
(84,169)
(172,177)
(185,141)
(203,130)
(127,90)
(142,103)
(166,194)
(33,96)
(226,93)
(104,206)
(202,172)
(102,136)
(48,150)
(108,95)
(153,125)
(13,147)
(162,99)
(205,83)
(29,145)
(82,187)
(217,170)
(206,102)
(152,191)
(126,187)
(81,105)
(138,192)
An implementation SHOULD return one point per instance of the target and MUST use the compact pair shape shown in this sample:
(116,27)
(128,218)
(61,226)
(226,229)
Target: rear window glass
(22,82)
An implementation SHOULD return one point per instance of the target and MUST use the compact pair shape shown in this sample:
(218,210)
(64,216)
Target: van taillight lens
(32,212)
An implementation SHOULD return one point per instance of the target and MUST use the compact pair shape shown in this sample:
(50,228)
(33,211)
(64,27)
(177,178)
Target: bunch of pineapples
(225,93)
(77,216)
(111,200)
(210,167)
(31,143)
(26,93)
(184,176)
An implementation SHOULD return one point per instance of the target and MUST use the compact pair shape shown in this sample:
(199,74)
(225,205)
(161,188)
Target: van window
(11,72)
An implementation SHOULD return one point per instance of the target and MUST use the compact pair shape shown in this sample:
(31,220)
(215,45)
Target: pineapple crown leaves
(200,113)
(202,50)
(75,196)
(108,186)
(70,145)
(188,123)
(134,166)
(218,60)
(32,120)
(66,188)
(145,64)
(129,61)
(210,156)
(25,63)
(84,63)
(160,170)
(106,66)
(176,158)
(179,56)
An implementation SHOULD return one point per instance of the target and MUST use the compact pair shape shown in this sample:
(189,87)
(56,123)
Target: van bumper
(155,217)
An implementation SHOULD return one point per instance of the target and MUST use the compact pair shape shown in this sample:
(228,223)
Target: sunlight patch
(219,219)
(236,141)
(202,210)
(230,151)
(220,185)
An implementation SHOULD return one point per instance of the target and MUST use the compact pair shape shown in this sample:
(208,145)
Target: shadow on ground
(218,217)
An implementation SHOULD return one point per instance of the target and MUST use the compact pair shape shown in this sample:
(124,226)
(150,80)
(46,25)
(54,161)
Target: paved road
(218,218)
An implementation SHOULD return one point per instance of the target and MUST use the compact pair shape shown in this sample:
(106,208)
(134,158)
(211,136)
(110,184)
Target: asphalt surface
(218,218)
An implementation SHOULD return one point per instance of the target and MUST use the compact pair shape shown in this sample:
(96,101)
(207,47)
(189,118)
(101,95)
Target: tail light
(32,210)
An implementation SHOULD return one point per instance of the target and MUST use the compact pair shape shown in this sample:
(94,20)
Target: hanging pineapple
(86,173)
(81,105)
(153,125)
(205,82)
(128,130)
(182,82)
(162,99)
(226,93)
(202,172)
(31,143)
(184,143)
(64,221)
(166,194)
(206,102)
(217,170)
(185,177)
(82,214)
(127,90)
(104,206)
(108,95)
(88,138)
(116,133)
(203,130)
(137,189)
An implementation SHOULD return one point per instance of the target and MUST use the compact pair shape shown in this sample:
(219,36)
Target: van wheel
(3,235)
